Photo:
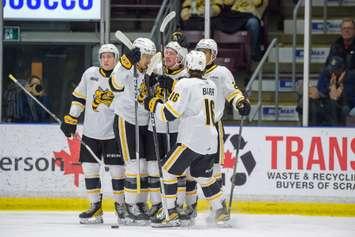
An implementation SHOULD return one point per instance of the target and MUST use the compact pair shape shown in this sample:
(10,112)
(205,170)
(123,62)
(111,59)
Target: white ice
(65,224)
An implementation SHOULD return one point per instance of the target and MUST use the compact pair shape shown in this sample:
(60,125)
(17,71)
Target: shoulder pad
(125,62)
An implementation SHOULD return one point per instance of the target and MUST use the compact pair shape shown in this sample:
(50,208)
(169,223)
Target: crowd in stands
(332,101)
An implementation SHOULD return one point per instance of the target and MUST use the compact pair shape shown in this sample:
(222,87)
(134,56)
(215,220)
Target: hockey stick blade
(154,62)
(166,20)
(124,39)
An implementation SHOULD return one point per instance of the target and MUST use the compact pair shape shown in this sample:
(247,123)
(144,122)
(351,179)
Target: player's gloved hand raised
(243,107)
(68,125)
(180,38)
(134,55)
(152,80)
(166,82)
(150,103)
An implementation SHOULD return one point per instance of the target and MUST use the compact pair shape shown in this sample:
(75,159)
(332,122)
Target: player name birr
(208,91)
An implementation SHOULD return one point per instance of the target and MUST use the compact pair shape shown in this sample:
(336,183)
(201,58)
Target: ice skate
(222,216)
(93,215)
(172,220)
(120,211)
(154,210)
(188,215)
(135,216)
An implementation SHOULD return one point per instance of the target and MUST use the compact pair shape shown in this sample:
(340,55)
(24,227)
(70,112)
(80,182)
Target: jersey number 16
(209,110)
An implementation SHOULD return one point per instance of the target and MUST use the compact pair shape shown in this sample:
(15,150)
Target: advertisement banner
(52,9)
(282,162)
(293,162)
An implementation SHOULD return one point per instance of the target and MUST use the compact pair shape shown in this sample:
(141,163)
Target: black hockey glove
(152,80)
(180,38)
(166,82)
(68,126)
(243,107)
(150,103)
(134,55)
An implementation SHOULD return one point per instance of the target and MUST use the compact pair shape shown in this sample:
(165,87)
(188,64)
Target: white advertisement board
(52,9)
(293,162)
(282,162)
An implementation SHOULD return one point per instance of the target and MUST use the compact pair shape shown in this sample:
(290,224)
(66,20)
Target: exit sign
(11,33)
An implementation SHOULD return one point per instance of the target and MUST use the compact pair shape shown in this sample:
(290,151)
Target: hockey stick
(156,59)
(235,165)
(127,42)
(54,117)
(163,25)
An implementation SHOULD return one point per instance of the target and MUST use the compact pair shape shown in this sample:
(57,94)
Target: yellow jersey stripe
(77,103)
(173,157)
(211,69)
(161,114)
(93,191)
(221,142)
(169,181)
(116,85)
(135,190)
(234,94)
(214,197)
(209,183)
(123,139)
(129,175)
(172,110)
(79,95)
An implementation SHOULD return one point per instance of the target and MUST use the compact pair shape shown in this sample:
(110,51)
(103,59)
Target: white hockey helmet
(109,48)
(145,45)
(196,60)
(208,44)
(181,51)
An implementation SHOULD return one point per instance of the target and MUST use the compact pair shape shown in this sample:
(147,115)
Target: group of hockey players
(160,133)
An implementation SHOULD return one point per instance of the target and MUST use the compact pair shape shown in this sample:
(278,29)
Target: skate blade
(121,221)
(187,223)
(224,223)
(130,222)
(91,221)
(175,223)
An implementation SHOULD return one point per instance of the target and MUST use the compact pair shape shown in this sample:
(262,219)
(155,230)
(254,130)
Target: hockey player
(93,95)
(125,82)
(227,91)
(174,59)
(192,100)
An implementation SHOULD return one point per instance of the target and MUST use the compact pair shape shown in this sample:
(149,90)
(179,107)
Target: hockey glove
(68,126)
(166,82)
(134,55)
(243,107)
(180,38)
(151,80)
(150,103)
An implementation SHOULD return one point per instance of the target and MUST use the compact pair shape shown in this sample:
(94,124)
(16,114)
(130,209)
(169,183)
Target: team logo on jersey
(247,159)
(102,97)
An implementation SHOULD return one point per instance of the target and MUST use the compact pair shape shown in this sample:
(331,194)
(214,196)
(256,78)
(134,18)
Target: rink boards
(280,170)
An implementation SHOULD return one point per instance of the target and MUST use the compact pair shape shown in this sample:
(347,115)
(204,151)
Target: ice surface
(65,224)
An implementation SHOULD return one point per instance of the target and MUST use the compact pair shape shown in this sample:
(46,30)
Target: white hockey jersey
(192,100)
(123,79)
(226,88)
(94,91)
(173,125)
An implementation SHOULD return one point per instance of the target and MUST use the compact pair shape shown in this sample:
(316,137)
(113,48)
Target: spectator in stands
(344,46)
(333,100)
(20,108)
(244,15)
(33,113)
(191,8)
